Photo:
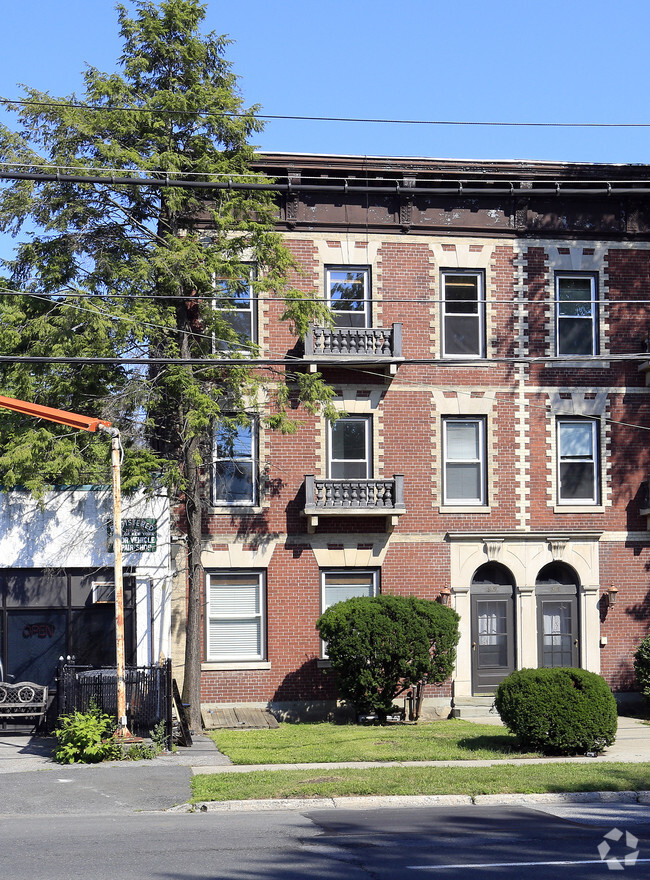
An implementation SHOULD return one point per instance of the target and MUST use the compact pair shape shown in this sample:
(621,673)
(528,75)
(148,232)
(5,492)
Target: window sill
(465,508)
(578,508)
(234,510)
(222,665)
(571,364)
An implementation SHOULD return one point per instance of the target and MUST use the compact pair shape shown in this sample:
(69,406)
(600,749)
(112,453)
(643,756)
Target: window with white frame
(235,300)
(463,314)
(577,445)
(576,323)
(236,616)
(464,461)
(350,449)
(234,463)
(350,583)
(348,295)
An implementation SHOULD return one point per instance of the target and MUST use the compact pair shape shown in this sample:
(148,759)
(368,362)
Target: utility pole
(85,423)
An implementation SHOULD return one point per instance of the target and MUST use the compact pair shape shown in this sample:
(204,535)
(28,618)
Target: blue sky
(552,61)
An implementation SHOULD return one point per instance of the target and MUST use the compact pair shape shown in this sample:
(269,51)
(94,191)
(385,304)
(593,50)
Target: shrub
(642,667)
(141,752)
(558,711)
(380,646)
(86,738)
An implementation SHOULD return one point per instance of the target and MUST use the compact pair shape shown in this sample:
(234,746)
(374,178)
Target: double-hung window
(576,315)
(348,295)
(337,586)
(349,449)
(577,443)
(464,462)
(234,464)
(463,314)
(236,616)
(234,299)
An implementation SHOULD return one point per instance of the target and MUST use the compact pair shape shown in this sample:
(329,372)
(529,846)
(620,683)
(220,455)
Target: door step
(475,709)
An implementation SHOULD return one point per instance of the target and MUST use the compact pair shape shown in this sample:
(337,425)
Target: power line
(216,362)
(386,186)
(94,108)
(282,300)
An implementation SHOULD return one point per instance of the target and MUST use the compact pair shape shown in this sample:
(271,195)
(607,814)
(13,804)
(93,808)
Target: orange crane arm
(60,416)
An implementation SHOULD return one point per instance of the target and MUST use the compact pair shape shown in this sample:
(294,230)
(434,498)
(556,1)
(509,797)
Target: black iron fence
(148,694)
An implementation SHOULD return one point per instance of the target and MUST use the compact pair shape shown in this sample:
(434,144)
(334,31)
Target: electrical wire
(465,187)
(560,360)
(282,300)
(94,108)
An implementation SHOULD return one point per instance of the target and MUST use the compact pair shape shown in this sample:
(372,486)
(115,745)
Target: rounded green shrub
(562,711)
(379,646)
(642,667)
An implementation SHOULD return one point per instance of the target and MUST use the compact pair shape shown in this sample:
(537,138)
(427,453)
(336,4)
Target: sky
(562,61)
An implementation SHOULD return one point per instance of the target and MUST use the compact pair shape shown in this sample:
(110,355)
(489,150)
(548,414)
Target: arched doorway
(556,588)
(492,612)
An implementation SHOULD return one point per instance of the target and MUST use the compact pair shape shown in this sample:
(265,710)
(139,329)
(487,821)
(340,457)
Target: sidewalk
(164,782)
(20,752)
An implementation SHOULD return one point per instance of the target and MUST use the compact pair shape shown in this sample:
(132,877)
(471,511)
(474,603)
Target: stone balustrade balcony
(360,345)
(382,497)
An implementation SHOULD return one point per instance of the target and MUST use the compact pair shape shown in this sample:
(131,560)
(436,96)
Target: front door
(558,631)
(493,654)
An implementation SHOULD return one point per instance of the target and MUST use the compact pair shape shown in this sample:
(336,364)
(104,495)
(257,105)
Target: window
(235,464)
(235,300)
(337,586)
(349,449)
(348,295)
(576,315)
(577,461)
(464,461)
(236,616)
(463,314)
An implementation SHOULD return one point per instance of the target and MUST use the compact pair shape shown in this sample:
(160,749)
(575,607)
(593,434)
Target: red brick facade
(527,534)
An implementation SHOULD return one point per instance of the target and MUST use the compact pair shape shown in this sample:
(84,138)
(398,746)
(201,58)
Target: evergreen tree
(129,272)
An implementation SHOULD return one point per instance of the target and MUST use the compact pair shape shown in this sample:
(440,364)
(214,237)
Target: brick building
(489,359)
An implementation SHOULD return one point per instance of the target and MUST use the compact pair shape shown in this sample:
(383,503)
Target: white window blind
(235,616)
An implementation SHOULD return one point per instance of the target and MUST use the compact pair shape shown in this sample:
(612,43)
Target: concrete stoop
(475,709)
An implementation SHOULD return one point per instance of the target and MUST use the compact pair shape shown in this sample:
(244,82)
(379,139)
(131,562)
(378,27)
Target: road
(466,843)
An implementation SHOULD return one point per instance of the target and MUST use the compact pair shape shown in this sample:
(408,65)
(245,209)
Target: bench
(22,699)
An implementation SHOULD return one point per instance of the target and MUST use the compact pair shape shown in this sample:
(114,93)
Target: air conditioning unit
(103,592)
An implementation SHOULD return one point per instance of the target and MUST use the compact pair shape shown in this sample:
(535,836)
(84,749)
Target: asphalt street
(466,843)
(130,820)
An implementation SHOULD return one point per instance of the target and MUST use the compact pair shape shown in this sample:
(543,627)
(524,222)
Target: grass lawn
(305,743)
(530,778)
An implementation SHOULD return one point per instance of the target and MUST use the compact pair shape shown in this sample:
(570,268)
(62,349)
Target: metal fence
(148,694)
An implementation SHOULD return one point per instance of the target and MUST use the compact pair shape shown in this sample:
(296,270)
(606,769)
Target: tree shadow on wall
(255,526)
(311,686)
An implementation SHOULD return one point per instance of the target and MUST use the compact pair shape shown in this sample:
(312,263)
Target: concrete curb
(451,800)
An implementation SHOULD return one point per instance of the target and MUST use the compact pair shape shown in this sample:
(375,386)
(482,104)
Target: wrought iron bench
(22,699)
